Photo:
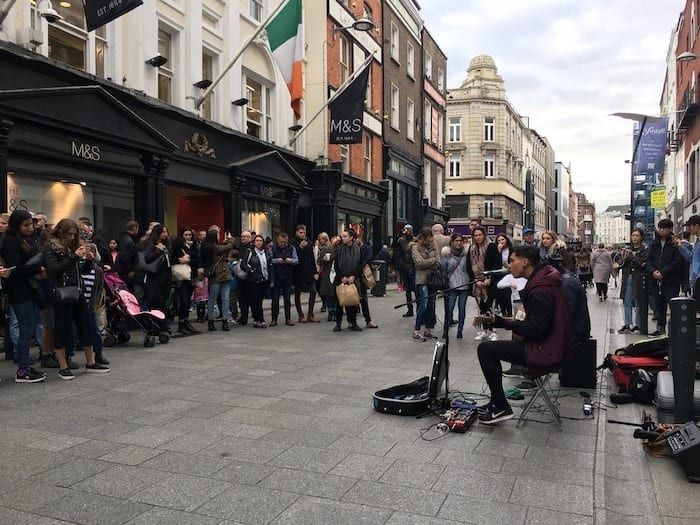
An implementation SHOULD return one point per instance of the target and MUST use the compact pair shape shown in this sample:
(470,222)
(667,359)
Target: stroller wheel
(163,337)
(149,341)
(109,341)
(123,337)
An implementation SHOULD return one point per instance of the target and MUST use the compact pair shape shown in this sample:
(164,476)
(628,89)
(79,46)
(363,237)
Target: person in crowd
(403,264)
(17,251)
(617,265)
(63,255)
(686,250)
(602,266)
(441,240)
(483,256)
(365,259)
(215,263)
(692,254)
(244,291)
(425,259)
(126,258)
(323,247)
(633,267)
(325,286)
(305,275)
(544,334)
(348,270)
(583,267)
(111,262)
(664,263)
(552,245)
(87,233)
(529,238)
(284,260)
(503,294)
(92,275)
(233,260)
(184,251)
(453,260)
(257,263)
(157,286)
(200,296)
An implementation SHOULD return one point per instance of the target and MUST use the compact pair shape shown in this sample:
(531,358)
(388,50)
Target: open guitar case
(420,396)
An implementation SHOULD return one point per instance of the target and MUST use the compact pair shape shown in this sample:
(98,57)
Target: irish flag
(285,35)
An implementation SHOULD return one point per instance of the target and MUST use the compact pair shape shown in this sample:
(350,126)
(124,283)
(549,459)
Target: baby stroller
(122,308)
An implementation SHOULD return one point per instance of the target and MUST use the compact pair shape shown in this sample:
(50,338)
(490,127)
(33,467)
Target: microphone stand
(444,403)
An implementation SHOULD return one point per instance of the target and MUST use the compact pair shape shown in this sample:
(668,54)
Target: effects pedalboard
(460,417)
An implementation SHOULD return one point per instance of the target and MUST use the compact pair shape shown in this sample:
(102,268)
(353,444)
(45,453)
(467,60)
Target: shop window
(165,72)
(261,217)
(258,109)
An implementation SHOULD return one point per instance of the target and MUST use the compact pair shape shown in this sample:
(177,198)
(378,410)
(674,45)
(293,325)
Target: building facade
(486,172)
(586,220)
(562,176)
(611,227)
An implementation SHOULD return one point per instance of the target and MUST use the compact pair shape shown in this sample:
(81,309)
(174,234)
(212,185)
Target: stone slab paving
(277,426)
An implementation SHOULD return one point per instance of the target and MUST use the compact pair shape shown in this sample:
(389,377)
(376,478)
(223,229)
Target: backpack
(656,347)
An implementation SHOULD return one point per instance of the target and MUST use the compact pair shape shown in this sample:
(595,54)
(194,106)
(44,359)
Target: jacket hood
(545,277)
(446,251)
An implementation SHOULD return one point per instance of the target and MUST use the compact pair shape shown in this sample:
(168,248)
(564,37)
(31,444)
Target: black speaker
(578,368)
(684,443)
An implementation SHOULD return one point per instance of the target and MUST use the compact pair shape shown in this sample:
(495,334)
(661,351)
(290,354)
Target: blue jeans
(14,327)
(629,301)
(425,315)
(459,297)
(219,288)
(27,313)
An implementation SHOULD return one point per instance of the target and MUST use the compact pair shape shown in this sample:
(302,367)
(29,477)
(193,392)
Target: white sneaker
(480,336)
(493,336)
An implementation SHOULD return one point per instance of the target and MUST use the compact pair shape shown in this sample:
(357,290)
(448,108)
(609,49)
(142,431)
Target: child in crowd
(201,297)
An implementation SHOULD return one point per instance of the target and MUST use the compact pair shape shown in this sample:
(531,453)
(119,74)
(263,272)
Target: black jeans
(283,286)
(663,294)
(245,300)
(311,288)
(491,353)
(602,289)
(256,292)
(181,299)
(505,302)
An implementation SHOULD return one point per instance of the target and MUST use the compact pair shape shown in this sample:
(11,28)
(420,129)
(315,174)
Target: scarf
(263,262)
(347,259)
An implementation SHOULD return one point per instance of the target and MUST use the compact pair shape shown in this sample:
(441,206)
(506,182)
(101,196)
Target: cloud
(567,65)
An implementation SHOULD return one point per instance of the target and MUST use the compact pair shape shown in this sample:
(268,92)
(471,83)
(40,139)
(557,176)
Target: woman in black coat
(20,262)
(62,255)
(184,251)
(257,263)
(157,285)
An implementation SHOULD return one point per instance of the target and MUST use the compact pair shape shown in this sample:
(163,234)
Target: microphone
(501,271)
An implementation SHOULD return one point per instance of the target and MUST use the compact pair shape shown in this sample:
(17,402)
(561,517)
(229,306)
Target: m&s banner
(99,12)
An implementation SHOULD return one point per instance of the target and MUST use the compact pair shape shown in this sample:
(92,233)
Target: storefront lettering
(14,204)
(85,151)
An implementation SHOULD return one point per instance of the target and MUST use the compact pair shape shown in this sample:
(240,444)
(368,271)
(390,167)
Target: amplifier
(685,446)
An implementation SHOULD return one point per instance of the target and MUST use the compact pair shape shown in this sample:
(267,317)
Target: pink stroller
(122,308)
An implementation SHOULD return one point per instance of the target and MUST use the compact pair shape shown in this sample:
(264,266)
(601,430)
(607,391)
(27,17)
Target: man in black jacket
(665,264)
(305,274)
(126,258)
(284,258)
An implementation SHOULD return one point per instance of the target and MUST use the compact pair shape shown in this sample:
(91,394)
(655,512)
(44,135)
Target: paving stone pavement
(276,426)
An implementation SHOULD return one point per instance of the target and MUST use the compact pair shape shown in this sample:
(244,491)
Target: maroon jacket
(546,331)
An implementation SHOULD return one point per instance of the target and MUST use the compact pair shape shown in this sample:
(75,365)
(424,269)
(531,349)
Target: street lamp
(687,56)
(361,24)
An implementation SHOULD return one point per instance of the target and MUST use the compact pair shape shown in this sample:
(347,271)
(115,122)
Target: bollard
(682,356)
(379,289)
(643,302)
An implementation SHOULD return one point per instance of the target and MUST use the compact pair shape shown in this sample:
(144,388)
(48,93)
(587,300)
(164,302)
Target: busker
(545,332)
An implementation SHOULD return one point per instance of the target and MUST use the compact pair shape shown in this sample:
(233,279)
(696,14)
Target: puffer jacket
(425,257)
(456,267)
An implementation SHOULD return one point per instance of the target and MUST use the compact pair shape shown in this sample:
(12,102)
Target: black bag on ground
(409,399)
(656,347)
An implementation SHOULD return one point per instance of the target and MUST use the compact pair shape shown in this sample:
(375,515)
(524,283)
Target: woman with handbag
(215,262)
(156,254)
(185,263)
(348,269)
(503,295)
(425,258)
(62,256)
(17,250)
(256,262)
(453,260)
(483,256)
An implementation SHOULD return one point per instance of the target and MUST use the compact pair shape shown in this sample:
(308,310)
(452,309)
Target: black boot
(212,328)
(191,329)
(100,359)
(181,328)
(224,325)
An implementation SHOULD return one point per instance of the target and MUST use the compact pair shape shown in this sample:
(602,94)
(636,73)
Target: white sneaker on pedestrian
(493,336)
(480,336)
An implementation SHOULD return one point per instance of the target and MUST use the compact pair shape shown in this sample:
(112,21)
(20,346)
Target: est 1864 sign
(99,12)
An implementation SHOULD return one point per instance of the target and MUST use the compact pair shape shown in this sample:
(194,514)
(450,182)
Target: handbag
(181,272)
(347,295)
(368,277)
(239,271)
(438,279)
(152,267)
(67,294)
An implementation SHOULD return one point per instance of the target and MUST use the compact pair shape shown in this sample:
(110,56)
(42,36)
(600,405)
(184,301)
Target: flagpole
(335,95)
(198,102)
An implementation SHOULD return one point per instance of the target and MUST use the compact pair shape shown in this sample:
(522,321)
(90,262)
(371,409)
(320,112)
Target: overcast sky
(568,64)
